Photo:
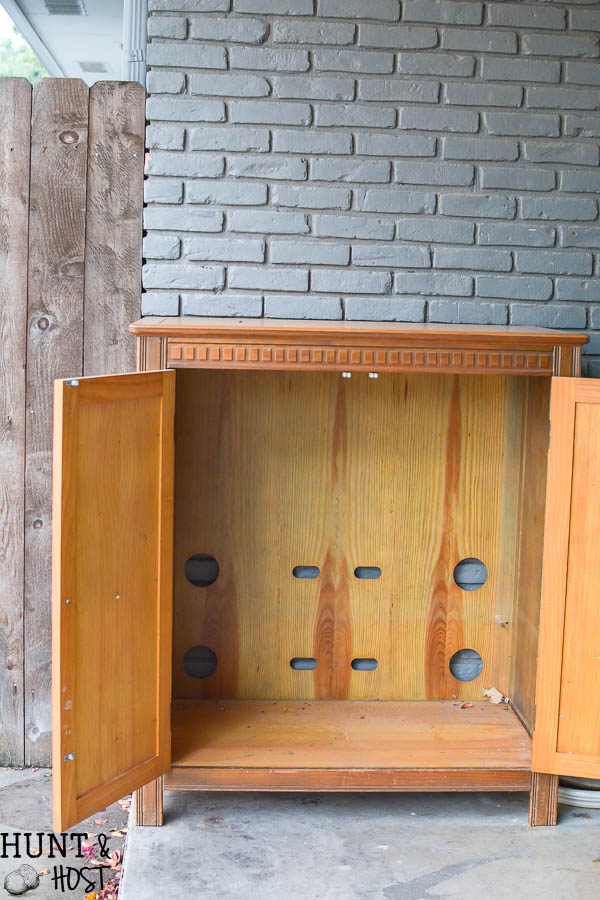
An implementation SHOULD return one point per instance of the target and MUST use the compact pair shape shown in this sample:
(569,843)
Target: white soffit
(73,32)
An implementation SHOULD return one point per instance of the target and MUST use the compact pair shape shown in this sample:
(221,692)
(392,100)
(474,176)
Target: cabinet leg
(543,799)
(149,803)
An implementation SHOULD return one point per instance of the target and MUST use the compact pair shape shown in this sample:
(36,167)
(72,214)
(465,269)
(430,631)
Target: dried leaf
(466,705)
(494,694)
(100,821)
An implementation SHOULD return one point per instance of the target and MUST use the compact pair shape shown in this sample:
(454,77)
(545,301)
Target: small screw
(69,757)
(346,374)
(373,374)
(117,596)
(67,600)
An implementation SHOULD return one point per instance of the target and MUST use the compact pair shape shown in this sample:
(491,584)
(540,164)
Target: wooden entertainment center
(293,555)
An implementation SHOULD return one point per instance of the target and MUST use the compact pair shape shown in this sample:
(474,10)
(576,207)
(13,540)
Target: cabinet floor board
(347,735)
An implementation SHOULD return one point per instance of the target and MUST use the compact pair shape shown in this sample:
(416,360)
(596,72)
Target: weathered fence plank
(15,114)
(54,350)
(70,283)
(113,225)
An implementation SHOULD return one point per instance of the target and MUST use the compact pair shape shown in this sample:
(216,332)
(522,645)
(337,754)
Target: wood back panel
(407,472)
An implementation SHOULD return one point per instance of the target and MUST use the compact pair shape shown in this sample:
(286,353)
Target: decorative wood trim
(151,354)
(315,357)
(192,778)
(148,803)
(543,799)
(356,346)
(342,333)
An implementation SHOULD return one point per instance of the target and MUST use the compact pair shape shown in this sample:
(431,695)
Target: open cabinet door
(567,732)
(111,604)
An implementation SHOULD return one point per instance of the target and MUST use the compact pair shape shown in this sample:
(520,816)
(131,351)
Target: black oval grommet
(201,569)
(367,572)
(364,664)
(470,574)
(466,665)
(303,663)
(306,571)
(199,662)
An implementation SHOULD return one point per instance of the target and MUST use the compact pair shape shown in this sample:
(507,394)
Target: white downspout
(135,23)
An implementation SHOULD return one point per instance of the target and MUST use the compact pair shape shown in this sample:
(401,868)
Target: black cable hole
(199,662)
(364,665)
(201,569)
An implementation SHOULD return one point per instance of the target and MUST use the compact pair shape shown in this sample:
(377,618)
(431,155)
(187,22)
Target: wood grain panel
(543,800)
(277,470)
(113,254)
(54,350)
(568,711)
(579,714)
(283,332)
(190,778)
(111,588)
(509,512)
(15,115)
(347,735)
(528,563)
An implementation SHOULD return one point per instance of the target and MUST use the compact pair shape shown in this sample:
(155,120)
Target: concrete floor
(361,847)
(26,806)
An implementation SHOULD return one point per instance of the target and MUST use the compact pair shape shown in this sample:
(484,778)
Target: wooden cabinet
(293,556)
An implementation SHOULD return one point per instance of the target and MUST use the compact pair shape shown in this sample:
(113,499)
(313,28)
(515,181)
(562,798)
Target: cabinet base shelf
(327,745)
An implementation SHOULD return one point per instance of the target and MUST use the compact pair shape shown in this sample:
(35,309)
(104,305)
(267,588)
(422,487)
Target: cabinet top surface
(341,332)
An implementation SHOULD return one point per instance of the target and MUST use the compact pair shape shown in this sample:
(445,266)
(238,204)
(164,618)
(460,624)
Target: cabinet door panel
(112,562)
(567,734)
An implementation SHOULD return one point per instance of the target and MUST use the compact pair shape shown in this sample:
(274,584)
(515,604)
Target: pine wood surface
(567,735)
(15,115)
(543,799)
(407,472)
(579,718)
(113,562)
(148,803)
(341,331)
(526,562)
(241,778)
(347,735)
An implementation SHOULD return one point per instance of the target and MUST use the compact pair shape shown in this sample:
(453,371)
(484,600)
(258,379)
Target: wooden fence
(71,186)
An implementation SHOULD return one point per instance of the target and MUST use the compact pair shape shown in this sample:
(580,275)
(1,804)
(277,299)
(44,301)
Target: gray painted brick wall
(423,160)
